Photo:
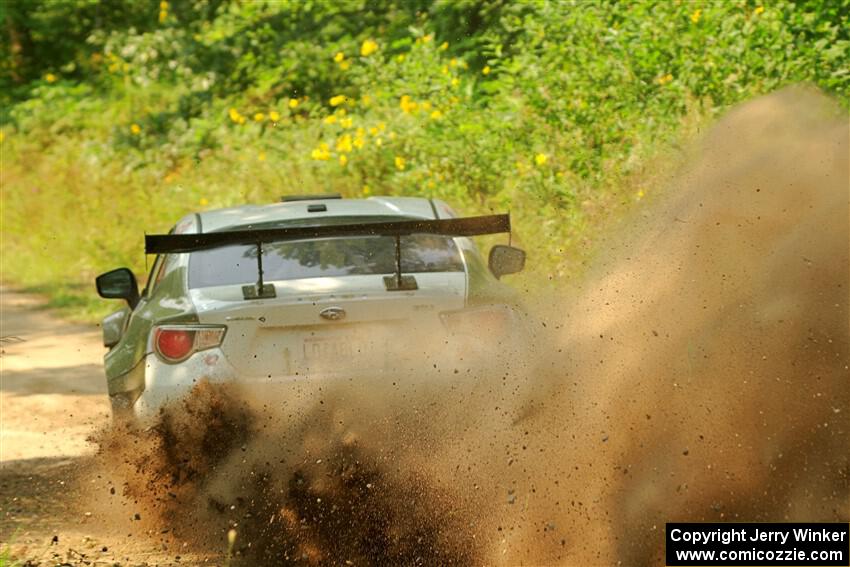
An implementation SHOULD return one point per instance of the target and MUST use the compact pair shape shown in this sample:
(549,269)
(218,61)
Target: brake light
(178,342)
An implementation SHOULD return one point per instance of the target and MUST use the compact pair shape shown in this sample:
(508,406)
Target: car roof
(408,207)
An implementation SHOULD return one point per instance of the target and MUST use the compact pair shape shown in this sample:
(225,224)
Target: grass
(6,557)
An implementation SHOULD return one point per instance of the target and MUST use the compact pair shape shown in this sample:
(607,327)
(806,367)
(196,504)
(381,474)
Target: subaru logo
(332,313)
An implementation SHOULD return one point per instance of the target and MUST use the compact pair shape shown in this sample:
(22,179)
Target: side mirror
(506,260)
(119,284)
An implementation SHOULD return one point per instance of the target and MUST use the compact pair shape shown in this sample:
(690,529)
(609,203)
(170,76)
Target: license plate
(332,348)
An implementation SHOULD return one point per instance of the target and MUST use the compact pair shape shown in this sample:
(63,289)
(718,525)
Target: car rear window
(326,257)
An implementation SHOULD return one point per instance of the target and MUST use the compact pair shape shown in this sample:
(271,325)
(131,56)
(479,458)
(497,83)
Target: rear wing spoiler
(470,226)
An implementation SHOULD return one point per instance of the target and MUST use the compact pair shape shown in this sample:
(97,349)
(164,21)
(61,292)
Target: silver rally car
(313,287)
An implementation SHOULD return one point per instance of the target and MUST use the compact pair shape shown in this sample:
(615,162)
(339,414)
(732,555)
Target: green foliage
(120,116)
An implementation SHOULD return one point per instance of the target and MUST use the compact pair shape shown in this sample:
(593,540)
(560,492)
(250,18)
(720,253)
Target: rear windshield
(327,257)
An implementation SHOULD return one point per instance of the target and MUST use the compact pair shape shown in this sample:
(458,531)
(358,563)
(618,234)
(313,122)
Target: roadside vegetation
(120,116)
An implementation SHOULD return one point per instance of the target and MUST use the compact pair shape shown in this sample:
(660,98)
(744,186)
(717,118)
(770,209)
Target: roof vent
(318,208)
(319,197)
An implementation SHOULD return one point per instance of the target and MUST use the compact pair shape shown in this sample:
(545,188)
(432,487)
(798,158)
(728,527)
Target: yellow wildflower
(427,38)
(366,190)
(343,144)
(259,117)
(366,100)
(759,10)
(50,78)
(453,62)
(382,126)
(399,57)
(444,45)
(373,131)
(485,70)
(445,70)
(640,194)
(203,202)
(339,57)
(337,100)
(163,15)
(379,141)
(400,163)
(2,137)
(359,142)
(346,122)
(455,82)
(293,103)
(368,47)
(341,112)
(135,129)
(322,153)
(330,119)
(426,106)
(407,104)
(234,115)
(274,116)
(541,159)
(345,65)
(343,160)
(163,5)
(696,15)
(664,79)
(261,156)
(436,115)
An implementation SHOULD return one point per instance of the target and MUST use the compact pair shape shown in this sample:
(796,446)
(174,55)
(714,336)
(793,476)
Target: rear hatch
(331,311)
(330,325)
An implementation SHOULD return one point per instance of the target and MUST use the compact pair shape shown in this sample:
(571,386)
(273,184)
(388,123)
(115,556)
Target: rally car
(312,287)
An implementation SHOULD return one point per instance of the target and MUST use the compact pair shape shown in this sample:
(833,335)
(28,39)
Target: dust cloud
(700,373)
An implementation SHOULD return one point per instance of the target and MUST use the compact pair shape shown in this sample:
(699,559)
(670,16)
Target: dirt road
(53,391)
(52,398)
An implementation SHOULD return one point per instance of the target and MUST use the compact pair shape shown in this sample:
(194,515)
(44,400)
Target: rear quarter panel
(168,302)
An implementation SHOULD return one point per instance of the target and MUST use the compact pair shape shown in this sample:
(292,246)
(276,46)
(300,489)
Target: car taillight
(488,321)
(175,343)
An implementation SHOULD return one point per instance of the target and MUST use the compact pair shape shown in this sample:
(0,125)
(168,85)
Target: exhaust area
(701,372)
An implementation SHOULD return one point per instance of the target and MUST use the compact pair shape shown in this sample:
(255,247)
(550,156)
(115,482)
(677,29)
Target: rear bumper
(435,356)
(170,383)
